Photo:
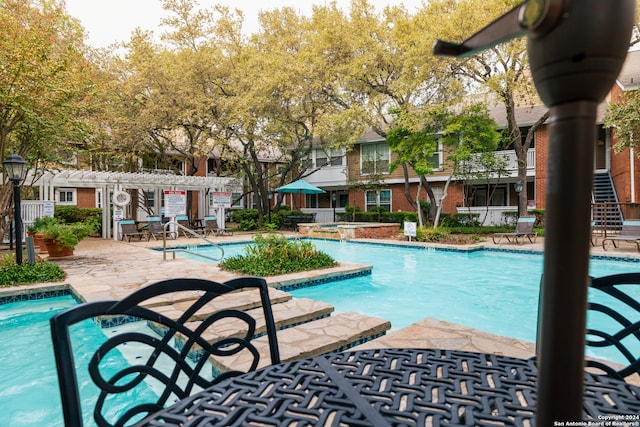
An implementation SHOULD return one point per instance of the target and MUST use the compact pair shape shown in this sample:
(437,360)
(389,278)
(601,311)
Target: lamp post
(517,186)
(269,196)
(333,203)
(15,168)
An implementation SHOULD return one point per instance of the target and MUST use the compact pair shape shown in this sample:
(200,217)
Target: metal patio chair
(618,302)
(139,368)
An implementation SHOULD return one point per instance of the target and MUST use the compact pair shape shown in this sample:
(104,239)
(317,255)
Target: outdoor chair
(211,227)
(139,368)
(130,229)
(156,228)
(614,301)
(524,229)
(183,220)
(630,233)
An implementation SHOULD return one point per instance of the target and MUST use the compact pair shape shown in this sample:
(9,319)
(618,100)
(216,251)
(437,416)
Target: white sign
(48,208)
(175,202)
(118,214)
(221,199)
(410,229)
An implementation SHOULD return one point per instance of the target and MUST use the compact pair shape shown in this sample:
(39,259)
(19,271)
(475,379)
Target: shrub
(68,235)
(12,274)
(274,254)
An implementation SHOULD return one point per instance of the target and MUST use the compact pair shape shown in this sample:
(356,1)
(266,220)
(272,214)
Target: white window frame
(375,160)
(66,191)
(377,199)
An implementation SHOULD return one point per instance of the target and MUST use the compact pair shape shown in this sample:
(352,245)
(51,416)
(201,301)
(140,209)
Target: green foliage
(12,274)
(274,254)
(444,235)
(73,214)
(510,218)
(240,215)
(248,225)
(271,227)
(40,223)
(430,234)
(377,216)
(460,219)
(68,235)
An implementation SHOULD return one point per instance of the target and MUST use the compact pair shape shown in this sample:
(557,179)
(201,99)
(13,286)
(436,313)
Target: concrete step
(241,300)
(286,315)
(335,333)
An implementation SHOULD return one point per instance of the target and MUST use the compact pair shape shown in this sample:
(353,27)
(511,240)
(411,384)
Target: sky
(111,21)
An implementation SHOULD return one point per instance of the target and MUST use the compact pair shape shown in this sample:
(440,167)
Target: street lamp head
(15,167)
(518,186)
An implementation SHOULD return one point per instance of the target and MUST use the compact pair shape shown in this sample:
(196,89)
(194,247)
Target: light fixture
(16,169)
(517,186)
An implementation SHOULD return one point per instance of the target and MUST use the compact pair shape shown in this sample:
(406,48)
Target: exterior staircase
(607,216)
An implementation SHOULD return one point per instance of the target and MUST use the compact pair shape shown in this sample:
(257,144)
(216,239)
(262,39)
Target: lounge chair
(130,229)
(156,229)
(524,229)
(630,233)
(183,220)
(211,227)
(148,362)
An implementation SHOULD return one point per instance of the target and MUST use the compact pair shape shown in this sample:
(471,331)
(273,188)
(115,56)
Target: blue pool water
(29,395)
(494,291)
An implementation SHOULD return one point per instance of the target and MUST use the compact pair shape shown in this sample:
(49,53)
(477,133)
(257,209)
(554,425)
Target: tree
(46,87)
(503,69)
(416,149)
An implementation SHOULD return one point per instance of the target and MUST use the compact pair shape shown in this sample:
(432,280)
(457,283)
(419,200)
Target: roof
(93,179)
(629,76)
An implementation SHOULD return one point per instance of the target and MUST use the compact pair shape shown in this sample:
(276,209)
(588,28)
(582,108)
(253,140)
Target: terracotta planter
(56,250)
(38,240)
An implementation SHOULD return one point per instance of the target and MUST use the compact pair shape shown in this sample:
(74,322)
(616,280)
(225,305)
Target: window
(374,158)
(378,198)
(478,195)
(149,199)
(332,157)
(436,159)
(66,196)
(236,200)
(337,156)
(321,158)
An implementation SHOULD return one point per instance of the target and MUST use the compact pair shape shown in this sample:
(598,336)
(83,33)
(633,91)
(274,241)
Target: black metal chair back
(615,301)
(146,366)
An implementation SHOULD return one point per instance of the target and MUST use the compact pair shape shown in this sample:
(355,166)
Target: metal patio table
(392,387)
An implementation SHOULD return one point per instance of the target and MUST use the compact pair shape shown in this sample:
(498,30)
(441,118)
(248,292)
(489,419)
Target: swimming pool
(29,395)
(494,291)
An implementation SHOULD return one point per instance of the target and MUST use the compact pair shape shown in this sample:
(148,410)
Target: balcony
(512,161)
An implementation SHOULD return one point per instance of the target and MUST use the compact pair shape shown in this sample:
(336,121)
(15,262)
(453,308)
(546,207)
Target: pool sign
(175,202)
(221,199)
(410,229)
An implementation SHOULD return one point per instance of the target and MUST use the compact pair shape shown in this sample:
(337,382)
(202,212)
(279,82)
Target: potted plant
(37,230)
(61,239)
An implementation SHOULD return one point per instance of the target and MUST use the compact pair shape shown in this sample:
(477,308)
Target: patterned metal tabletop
(392,387)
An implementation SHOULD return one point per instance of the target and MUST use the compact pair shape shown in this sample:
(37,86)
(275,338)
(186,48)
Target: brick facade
(86,197)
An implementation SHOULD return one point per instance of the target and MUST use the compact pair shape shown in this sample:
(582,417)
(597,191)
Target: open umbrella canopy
(300,187)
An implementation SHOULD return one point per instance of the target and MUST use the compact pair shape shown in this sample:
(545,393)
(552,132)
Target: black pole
(17,219)
(566,262)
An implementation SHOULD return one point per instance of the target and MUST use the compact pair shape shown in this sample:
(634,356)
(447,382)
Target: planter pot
(38,240)
(56,250)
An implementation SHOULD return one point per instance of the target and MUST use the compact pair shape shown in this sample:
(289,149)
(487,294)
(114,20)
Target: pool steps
(338,332)
(306,327)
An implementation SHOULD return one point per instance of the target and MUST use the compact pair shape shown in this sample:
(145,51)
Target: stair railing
(185,250)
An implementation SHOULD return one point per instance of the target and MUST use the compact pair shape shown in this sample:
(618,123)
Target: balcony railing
(511,161)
